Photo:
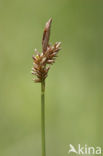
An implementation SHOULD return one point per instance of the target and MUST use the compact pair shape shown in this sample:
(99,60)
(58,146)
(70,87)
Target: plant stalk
(43,117)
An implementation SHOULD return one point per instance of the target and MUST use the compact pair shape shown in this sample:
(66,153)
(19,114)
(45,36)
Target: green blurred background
(74,87)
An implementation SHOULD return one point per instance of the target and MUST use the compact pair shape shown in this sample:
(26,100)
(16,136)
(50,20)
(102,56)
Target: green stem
(43,117)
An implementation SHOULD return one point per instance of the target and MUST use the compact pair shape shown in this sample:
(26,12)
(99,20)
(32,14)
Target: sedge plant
(41,65)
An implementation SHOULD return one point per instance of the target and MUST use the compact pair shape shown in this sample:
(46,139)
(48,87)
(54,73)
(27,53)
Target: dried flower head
(42,61)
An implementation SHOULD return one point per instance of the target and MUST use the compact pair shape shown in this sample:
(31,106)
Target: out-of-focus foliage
(74,87)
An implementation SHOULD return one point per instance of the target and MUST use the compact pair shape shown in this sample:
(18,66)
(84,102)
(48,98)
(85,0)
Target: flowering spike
(48,55)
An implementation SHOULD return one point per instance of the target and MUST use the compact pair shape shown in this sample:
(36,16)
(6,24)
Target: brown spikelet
(42,61)
(46,35)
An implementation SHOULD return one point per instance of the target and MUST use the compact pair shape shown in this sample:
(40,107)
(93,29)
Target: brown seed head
(42,61)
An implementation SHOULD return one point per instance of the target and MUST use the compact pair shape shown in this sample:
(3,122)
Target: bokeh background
(74,100)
